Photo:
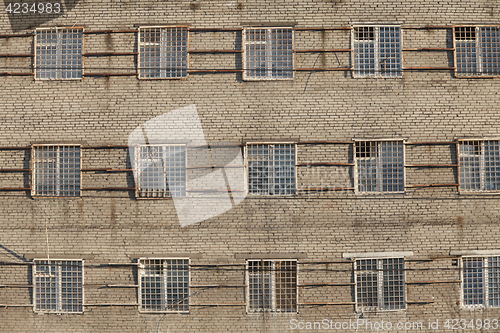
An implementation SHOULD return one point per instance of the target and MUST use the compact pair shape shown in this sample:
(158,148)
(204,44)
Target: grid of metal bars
(380,284)
(163,52)
(164,285)
(58,286)
(479,165)
(271,286)
(56,171)
(380,166)
(377,51)
(58,53)
(481,281)
(477,51)
(268,53)
(271,169)
(160,171)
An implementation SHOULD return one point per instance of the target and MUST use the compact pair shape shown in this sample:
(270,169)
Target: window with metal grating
(58,286)
(58,53)
(164,285)
(163,52)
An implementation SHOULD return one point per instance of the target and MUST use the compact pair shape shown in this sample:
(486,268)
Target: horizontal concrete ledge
(270,255)
(375,255)
(475,252)
(167,256)
(43,256)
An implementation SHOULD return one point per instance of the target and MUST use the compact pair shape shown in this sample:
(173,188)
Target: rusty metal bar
(15,188)
(108,189)
(430,143)
(215,166)
(327,50)
(327,284)
(15,74)
(17,35)
(7,55)
(323,142)
(101,54)
(327,303)
(215,51)
(323,69)
(215,29)
(106,169)
(321,29)
(325,189)
(109,74)
(431,165)
(92,32)
(432,185)
(15,148)
(325,164)
(14,170)
(428,68)
(430,49)
(201,71)
(432,282)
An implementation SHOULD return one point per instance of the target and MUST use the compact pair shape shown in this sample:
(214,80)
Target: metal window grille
(271,285)
(58,53)
(164,285)
(56,171)
(477,51)
(268,54)
(380,284)
(481,281)
(58,286)
(377,51)
(479,165)
(161,171)
(163,52)
(271,169)
(380,166)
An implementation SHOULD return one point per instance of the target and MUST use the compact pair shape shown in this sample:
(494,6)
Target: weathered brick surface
(111,227)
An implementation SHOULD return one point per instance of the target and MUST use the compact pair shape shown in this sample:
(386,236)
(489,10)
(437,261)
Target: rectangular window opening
(271,286)
(163,52)
(164,285)
(58,53)
(479,162)
(58,286)
(477,51)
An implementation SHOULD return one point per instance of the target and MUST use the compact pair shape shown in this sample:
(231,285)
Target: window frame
(482,166)
(356,167)
(268,76)
(484,285)
(247,176)
(58,54)
(162,54)
(33,172)
(136,170)
(478,72)
(273,308)
(380,282)
(59,300)
(140,274)
(377,71)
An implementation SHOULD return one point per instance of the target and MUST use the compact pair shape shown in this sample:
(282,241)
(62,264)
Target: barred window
(477,51)
(377,51)
(160,171)
(164,285)
(380,284)
(271,169)
(481,281)
(268,54)
(380,166)
(56,171)
(479,165)
(58,53)
(58,286)
(271,285)
(163,52)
